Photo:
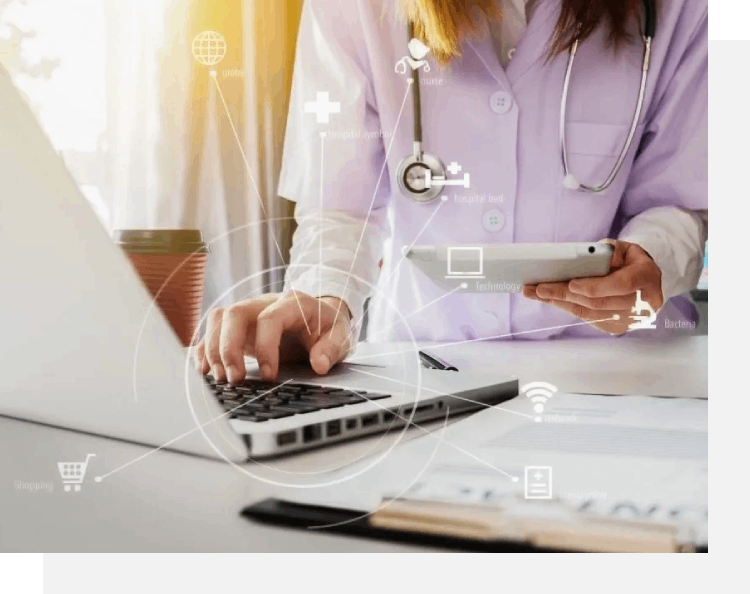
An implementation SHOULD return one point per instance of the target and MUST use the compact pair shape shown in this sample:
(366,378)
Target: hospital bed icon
(443,181)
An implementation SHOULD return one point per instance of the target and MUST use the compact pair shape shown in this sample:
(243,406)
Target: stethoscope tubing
(432,162)
(633,124)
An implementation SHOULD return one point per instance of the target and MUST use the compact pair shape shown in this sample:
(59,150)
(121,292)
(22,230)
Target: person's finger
(560,292)
(557,291)
(612,322)
(234,330)
(624,281)
(653,295)
(333,347)
(529,291)
(616,303)
(199,356)
(237,329)
(213,334)
(618,254)
(589,315)
(283,316)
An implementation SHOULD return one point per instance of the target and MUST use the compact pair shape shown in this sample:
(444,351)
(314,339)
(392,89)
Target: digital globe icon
(209,48)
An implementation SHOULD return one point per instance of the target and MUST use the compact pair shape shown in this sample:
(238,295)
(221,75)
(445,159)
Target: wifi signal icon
(538,393)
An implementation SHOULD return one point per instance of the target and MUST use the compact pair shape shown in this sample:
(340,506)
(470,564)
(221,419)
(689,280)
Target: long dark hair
(443,24)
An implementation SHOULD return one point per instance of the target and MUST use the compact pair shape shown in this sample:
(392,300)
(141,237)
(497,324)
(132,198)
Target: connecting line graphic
(413,243)
(257,192)
(99,479)
(320,229)
(403,257)
(492,406)
(447,344)
(416,311)
(372,202)
(440,438)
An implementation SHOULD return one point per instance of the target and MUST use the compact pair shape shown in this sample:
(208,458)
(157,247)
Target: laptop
(85,348)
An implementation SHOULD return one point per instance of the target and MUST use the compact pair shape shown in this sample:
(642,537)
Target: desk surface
(173,502)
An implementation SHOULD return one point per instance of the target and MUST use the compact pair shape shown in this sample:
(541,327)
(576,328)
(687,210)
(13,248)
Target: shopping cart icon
(72,473)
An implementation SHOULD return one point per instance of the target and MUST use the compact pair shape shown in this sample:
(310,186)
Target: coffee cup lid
(162,241)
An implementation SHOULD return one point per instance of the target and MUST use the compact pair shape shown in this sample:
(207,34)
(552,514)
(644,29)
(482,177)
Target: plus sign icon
(538,482)
(322,107)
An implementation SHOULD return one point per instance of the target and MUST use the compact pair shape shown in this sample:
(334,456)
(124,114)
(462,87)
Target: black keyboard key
(307,387)
(295,408)
(273,414)
(247,391)
(348,398)
(231,405)
(294,388)
(285,394)
(257,403)
(249,417)
(260,385)
(321,401)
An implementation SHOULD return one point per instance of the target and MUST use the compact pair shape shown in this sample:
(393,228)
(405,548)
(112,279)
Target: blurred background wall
(144,129)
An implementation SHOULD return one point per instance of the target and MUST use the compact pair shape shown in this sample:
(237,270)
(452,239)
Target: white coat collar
(531,47)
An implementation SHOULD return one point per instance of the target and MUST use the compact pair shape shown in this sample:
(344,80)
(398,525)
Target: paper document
(633,457)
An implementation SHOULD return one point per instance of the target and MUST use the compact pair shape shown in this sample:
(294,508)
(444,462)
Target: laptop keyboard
(258,401)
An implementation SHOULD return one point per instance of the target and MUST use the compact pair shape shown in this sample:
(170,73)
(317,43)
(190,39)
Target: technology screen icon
(465,262)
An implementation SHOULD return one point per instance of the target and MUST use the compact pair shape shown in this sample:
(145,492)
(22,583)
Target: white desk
(174,502)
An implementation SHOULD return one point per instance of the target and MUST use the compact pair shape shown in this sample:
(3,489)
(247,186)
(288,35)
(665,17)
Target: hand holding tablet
(597,282)
(609,302)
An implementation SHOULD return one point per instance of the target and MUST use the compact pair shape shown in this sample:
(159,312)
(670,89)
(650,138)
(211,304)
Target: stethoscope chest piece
(421,178)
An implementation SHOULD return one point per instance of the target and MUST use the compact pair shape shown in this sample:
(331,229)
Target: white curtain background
(152,141)
(175,161)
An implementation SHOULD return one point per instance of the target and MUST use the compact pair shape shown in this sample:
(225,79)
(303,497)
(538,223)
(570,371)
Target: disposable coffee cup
(172,265)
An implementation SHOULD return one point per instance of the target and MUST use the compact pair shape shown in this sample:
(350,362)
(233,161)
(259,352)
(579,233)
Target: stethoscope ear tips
(570,182)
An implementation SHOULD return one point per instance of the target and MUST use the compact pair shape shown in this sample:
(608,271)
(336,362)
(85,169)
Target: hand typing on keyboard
(274,328)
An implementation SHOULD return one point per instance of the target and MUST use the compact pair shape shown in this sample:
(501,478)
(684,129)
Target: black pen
(433,362)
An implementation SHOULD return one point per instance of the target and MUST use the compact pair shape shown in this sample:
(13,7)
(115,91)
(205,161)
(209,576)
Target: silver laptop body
(83,346)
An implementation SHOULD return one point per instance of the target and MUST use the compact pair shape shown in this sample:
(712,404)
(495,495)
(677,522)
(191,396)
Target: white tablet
(506,268)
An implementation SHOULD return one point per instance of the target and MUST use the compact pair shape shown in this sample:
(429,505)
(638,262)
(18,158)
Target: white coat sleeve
(666,200)
(335,159)
(334,165)
(675,238)
(332,237)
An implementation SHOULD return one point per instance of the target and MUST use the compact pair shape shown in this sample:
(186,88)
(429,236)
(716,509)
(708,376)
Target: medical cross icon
(454,168)
(322,107)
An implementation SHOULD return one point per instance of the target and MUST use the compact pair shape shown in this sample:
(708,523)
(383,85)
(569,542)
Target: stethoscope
(421,176)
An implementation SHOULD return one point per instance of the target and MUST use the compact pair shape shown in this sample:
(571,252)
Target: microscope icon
(641,321)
